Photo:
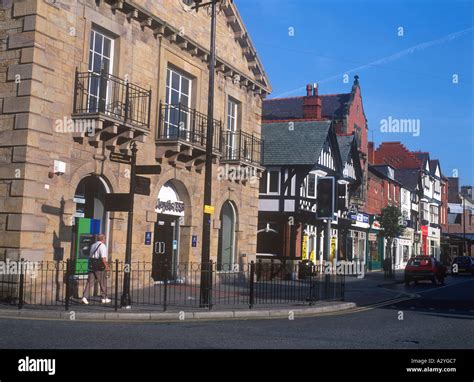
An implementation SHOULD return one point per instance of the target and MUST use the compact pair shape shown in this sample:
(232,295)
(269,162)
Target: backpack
(96,265)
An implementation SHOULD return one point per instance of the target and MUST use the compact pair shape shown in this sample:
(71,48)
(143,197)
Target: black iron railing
(181,123)
(103,93)
(163,285)
(242,147)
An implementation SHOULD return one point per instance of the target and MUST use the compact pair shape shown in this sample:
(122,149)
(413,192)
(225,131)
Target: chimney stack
(371,153)
(312,103)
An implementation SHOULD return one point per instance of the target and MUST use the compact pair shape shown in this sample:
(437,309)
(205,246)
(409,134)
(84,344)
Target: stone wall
(45,43)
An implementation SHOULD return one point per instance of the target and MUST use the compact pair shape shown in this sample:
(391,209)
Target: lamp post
(206,267)
(125,300)
(464,223)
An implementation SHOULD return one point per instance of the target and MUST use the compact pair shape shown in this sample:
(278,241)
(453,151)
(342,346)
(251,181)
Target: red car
(424,268)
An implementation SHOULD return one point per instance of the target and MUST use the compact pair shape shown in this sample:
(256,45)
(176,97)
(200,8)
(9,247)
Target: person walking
(98,268)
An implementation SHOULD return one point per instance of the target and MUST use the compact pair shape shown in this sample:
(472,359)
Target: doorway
(166,249)
(226,255)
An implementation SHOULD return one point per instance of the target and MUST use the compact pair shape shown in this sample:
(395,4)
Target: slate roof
(283,108)
(422,157)
(433,164)
(409,178)
(300,146)
(333,106)
(345,144)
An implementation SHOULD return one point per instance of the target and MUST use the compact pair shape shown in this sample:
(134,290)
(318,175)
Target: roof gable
(294,143)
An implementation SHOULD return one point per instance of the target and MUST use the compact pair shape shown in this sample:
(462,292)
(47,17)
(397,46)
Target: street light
(206,284)
(125,300)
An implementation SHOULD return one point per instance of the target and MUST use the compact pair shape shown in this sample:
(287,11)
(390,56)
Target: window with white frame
(425,212)
(101,49)
(404,196)
(232,128)
(270,182)
(263,183)
(437,186)
(434,214)
(178,98)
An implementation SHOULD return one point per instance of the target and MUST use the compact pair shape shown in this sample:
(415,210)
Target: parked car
(464,264)
(424,268)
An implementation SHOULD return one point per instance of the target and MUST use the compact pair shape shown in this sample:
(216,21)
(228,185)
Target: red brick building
(433,193)
(382,190)
(346,110)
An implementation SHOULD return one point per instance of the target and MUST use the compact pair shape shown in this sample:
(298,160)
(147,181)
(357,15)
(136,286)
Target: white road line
(444,286)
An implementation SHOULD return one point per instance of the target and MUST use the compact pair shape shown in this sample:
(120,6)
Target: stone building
(81,80)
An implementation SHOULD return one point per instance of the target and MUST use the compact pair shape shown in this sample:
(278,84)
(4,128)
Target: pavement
(424,322)
(372,290)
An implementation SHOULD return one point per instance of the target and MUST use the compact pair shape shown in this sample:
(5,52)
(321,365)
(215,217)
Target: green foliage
(391,222)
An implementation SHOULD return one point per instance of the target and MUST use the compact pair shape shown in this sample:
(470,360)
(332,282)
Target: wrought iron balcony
(186,125)
(243,148)
(104,96)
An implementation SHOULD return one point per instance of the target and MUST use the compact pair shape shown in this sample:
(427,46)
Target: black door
(163,267)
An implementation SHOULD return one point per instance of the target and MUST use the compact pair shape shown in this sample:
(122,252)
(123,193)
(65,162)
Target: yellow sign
(304,250)
(209,209)
(333,248)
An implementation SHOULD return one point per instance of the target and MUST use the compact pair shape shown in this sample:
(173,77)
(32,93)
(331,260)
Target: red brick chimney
(371,157)
(312,103)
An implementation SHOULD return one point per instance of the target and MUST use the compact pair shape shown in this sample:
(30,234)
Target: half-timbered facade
(296,154)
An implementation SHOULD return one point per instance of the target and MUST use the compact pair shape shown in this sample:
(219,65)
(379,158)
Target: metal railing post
(209,284)
(252,285)
(103,81)
(68,284)
(161,123)
(193,127)
(165,296)
(76,88)
(21,286)
(149,108)
(116,284)
(240,145)
(127,101)
(179,121)
(311,298)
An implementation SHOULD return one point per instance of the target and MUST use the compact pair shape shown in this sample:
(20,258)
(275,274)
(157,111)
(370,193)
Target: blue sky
(334,37)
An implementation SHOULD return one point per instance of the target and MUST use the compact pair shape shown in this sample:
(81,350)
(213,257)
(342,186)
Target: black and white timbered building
(296,154)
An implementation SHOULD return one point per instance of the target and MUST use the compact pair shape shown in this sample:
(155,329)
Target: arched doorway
(170,213)
(91,218)
(226,249)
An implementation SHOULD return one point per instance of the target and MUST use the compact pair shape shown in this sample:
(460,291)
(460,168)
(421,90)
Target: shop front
(170,213)
(434,242)
(375,246)
(357,238)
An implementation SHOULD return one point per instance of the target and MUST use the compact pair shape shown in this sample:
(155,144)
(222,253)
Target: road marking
(439,314)
(444,286)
